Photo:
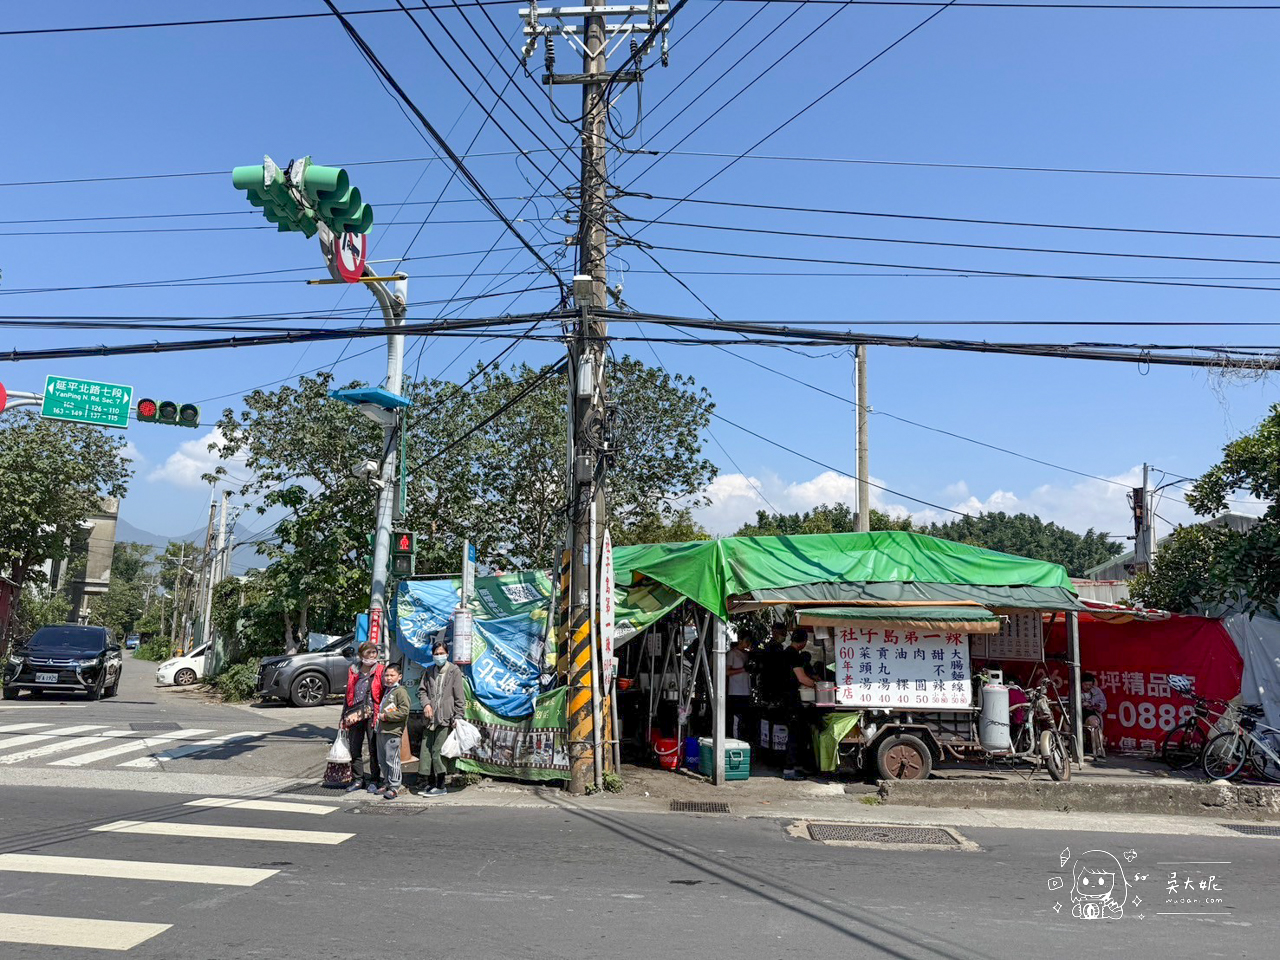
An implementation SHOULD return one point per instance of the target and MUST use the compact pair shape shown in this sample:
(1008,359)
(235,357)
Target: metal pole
(719,673)
(864,487)
(214,559)
(597,723)
(1148,516)
(1073,658)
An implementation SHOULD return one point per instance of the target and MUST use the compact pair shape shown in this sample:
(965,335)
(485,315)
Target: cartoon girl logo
(1100,889)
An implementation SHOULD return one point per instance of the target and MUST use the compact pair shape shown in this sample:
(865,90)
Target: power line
(992,273)
(992,223)
(967,246)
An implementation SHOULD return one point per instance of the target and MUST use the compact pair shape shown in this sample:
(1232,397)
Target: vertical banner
(607,610)
(375,627)
(468,571)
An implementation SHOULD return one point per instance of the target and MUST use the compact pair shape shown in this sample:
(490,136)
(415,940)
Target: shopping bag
(450,746)
(340,752)
(467,734)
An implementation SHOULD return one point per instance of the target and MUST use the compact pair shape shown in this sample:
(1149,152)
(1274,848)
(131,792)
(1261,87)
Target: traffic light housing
(168,412)
(328,194)
(404,549)
(338,203)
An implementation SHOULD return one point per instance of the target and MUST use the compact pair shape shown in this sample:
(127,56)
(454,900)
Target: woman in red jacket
(359,717)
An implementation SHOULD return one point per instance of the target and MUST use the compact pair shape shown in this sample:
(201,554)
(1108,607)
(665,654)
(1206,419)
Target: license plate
(46,678)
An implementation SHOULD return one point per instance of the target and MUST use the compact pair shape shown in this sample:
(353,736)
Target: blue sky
(1172,91)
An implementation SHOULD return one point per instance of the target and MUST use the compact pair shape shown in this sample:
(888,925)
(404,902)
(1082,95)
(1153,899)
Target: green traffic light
(167,412)
(189,415)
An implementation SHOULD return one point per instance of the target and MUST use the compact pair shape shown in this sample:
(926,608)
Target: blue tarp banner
(506,651)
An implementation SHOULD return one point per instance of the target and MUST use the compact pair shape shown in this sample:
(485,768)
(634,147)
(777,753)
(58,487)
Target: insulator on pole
(551,54)
(666,56)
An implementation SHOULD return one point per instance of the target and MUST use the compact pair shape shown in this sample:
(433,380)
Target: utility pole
(588,430)
(864,484)
(1142,500)
(204,570)
(215,566)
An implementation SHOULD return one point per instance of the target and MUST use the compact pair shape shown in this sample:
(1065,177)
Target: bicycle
(1184,745)
(1253,743)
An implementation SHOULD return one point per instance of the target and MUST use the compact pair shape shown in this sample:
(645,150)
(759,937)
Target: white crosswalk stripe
(162,828)
(272,806)
(188,749)
(61,745)
(129,746)
(15,727)
(13,743)
(76,931)
(135,870)
(43,706)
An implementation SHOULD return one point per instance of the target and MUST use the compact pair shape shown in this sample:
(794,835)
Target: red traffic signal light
(147,411)
(168,412)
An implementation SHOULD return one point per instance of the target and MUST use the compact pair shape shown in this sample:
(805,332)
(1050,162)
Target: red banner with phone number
(1132,662)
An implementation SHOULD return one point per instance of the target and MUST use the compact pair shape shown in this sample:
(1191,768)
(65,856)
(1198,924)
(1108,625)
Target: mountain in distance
(241,558)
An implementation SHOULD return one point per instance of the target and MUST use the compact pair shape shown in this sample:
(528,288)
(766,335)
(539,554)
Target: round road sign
(4,398)
(349,253)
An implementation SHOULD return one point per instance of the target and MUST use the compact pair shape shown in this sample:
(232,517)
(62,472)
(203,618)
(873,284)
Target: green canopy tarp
(709,572)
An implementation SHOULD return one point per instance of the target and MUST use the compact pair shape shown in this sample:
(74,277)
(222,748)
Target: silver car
(308,679)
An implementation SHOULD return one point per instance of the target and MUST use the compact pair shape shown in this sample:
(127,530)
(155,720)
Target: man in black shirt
(797,676)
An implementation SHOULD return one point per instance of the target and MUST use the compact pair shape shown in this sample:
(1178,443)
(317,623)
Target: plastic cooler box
(737,758)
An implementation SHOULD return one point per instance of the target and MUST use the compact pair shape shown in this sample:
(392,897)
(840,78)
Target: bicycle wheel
(1183,745)
(1268,767)
(1225,755)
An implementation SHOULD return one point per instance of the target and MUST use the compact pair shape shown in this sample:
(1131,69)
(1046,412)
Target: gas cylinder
(993,721)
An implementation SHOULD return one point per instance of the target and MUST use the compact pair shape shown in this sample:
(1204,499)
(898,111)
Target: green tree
(38,608)
(481,464)
(1026,535)
(653,528)
(56,475)
(1200,567)
(838,518)
(130,590)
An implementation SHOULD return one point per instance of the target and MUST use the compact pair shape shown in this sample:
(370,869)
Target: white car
(182,671)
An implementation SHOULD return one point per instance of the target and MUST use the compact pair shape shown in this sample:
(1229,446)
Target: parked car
(131,641)
(68,658)
(307,679)
(182,671)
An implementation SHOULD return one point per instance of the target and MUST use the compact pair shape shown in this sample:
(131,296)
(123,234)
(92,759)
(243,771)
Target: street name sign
(87,401)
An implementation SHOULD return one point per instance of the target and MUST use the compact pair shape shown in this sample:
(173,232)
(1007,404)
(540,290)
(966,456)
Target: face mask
(368,661)
(440,659)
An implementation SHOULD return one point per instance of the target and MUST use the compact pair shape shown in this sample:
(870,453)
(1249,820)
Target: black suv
(65,658)
(307,679)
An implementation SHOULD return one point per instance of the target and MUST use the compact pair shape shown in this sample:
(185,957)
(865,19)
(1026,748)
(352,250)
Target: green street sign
(87,401)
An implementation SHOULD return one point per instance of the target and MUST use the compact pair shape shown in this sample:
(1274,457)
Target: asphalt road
(473,882)
(183,730)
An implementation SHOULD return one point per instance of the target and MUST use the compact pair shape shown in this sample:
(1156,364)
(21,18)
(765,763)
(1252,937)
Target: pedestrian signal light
(146,411)
(404,549)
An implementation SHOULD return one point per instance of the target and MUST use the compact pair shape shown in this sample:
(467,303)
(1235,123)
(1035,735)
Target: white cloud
(193,459)
(131,453)
(1101,504)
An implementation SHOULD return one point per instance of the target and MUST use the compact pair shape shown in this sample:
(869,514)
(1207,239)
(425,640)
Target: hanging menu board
(897,669)
(1021,637)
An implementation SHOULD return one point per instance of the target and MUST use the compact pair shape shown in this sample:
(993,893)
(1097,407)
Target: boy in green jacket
(391,721)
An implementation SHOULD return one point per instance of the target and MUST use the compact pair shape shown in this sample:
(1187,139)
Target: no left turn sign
(350,251)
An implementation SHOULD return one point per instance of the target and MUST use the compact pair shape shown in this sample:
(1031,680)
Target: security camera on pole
(319,201)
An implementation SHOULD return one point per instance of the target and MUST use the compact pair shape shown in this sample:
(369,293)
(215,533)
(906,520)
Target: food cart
(908,673)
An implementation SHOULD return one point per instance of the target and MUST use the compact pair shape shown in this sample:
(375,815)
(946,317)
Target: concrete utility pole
(204,570)
(1144,531)
(588,431)
(864,485)
(215,565)
(177,596)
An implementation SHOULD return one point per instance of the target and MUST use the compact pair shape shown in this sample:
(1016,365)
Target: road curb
(1230,801)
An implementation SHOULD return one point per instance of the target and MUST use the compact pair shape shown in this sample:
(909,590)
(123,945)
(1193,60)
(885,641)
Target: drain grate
(1253,830)
(154,725)
(868,833)
(698,806)
(309,788)
(388,810)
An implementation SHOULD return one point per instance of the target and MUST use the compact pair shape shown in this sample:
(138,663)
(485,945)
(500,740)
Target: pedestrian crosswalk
(124,934)
(82,745)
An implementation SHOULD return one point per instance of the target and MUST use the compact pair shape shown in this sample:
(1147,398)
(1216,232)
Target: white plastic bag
(450,746)
(340,752)
(467,734)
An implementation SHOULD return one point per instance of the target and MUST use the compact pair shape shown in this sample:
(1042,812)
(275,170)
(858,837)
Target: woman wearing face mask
(359,717)
(443,701)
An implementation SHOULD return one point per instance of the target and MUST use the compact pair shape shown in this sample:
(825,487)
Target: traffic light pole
(392,302)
